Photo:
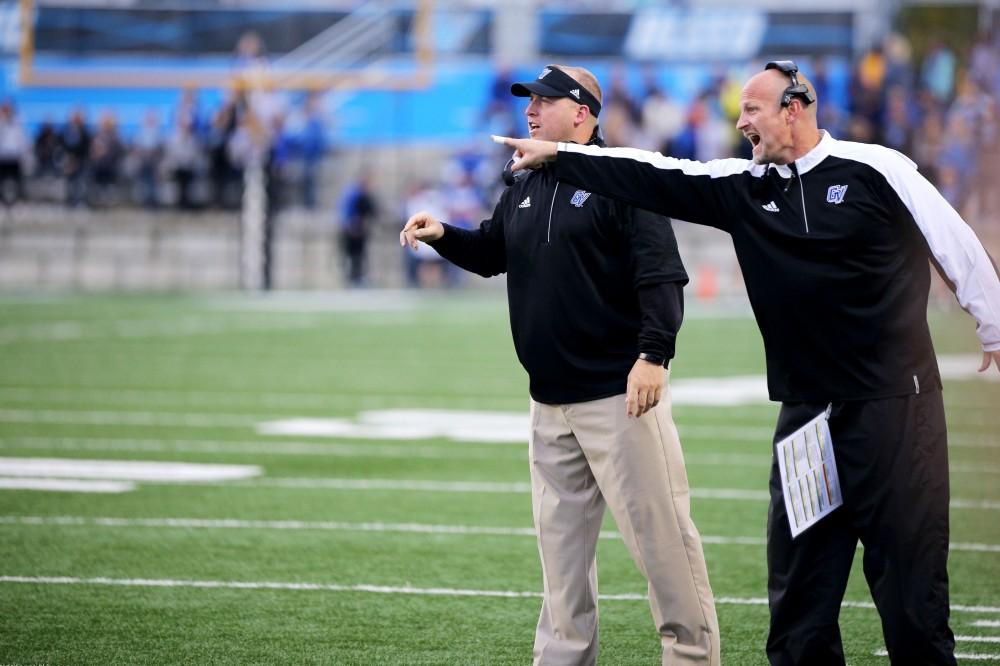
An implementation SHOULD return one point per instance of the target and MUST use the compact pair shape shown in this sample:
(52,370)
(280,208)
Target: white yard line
(306,483)
(365,450)
(385,589)
(464,486)
(418,528)
(969,656)
(145,328)
(89,417)
(65,485)
(978,639)
(393,484)
(974,468)
(242,398)
(351,450)
(233,523)
(208,474)
(124,470)
(991,624)
(494,427)
(265,447)
(973,441)
(987,505)
(976,547)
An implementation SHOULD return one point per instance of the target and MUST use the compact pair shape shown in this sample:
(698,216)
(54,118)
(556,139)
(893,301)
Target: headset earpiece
(800,90)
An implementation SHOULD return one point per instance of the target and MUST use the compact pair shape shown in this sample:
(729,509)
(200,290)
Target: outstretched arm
(700,192)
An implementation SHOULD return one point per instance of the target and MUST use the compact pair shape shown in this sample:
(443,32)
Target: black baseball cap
(553,82)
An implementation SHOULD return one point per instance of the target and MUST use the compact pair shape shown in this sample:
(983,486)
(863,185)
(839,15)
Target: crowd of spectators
(194,161)
(943,112)
(940,110)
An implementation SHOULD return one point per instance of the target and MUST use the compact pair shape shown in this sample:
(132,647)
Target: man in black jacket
(833,239)
(595,295)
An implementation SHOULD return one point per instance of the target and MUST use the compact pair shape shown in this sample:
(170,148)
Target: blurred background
(224,144)
(195,471)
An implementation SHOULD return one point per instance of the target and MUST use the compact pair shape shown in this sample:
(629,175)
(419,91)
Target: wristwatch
(658,359)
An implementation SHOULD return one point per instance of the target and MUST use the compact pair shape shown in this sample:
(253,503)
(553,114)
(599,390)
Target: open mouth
(533,126)
(754,139)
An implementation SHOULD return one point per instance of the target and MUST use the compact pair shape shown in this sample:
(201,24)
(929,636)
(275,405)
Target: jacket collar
(819,153)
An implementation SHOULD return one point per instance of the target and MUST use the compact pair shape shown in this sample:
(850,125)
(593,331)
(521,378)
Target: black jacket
(591,282)
(834,251)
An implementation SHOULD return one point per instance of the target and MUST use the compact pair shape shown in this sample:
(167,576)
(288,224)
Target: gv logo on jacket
(579,197)
(835,194)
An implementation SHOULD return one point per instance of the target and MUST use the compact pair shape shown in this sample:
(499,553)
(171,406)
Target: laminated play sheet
(809,480)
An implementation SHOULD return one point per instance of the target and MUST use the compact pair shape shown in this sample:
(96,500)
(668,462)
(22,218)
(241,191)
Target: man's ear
(795,109)
(582,113)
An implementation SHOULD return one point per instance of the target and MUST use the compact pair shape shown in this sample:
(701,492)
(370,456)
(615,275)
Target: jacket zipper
(802,195)
(548,234)
(802,191)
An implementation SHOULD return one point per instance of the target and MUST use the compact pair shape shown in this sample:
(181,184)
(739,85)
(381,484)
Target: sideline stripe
(422,528)
(763,415)
(989,505)
(347,450)
(489,487)
(123,470)
(263,447)
(462,486)
(391,484)
(146,328)
(237,398)
(385,589)
(750,434)
(66,485)
(231,523)
(75,469)
(974,468)
(364,450)
(127,418)
(970,656)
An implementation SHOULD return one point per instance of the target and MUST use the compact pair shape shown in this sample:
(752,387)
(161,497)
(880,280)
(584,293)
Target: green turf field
(405,547)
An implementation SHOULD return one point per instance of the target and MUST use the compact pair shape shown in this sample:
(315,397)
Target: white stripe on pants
(583,455)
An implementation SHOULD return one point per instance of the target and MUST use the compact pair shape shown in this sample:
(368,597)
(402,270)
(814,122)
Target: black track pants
(892,459)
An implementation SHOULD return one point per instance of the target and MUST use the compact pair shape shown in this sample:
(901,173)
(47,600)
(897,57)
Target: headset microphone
(508,174)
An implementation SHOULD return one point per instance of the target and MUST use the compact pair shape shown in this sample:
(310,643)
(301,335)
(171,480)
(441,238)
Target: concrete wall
(50,247)
(54,248)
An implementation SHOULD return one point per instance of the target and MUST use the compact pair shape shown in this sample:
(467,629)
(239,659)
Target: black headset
(797,89)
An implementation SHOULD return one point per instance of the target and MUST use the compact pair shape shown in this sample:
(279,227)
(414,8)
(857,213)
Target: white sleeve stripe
(714,168)
(952,242)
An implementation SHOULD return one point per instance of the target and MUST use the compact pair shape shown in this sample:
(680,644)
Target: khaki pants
(584,455)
